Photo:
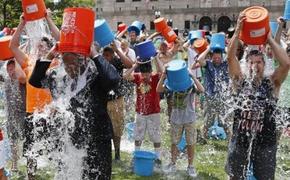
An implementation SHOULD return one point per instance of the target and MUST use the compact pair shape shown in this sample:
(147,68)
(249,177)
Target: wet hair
(108,49)
(146,68)
(47,41)
(217,51)
(255,53)
(11,62)
(288,49)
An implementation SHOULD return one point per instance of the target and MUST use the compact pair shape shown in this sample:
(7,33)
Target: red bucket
(122,27)
(169,35)
(77,31)
(33,9)
(6,53)
(160,24)
(200,45)
(256,26)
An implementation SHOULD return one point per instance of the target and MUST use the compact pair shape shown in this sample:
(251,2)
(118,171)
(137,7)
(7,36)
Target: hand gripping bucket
(218,42)
(169,35)
(287,10)
(122,27)
(6,53)
(274,27)
(145,51)
(33,9)
(136,26)
(178,78)
(103,33)
(77,31)
(256,26)
(200,45)
(160,24)
(144,163)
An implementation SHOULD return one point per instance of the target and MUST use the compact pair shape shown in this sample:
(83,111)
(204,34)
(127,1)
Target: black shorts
(33,133)
(263,159)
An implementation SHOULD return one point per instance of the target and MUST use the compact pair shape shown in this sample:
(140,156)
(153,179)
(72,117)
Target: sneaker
(170,168)
(157,165)
(191,171)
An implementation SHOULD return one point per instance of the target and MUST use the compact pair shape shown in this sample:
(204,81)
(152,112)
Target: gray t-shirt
(183,110)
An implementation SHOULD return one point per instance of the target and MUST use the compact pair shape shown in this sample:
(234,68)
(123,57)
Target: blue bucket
(287,10)
(250,173)
(218,42)
(145,50)
(217,132)
(274,27)
(178,78)
(182,144)
(137,27)
(144,163)
(2,34)
(130,131)
(103,33)
(193,35)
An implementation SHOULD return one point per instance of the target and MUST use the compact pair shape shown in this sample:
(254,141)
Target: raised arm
(186,45)
(281,71)
(20,75)
(19,55)
(128,63)
(121,34)
(53,28)
(153,36)
(202,57)
(160,86)
(128,74)
(233,62)
(199,86)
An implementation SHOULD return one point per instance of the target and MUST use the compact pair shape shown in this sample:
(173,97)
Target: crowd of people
(230,86)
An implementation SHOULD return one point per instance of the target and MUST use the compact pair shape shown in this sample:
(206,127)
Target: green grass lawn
(209,160)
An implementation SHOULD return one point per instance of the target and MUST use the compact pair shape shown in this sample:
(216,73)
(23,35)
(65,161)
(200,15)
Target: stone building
(218,15)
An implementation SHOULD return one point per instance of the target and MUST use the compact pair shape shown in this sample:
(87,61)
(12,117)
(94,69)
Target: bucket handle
(71,28)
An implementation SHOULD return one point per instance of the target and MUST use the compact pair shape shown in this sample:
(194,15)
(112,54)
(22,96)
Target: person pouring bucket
(177,79)
(92,130)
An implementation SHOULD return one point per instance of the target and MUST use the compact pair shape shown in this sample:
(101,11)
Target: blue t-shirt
(216,78)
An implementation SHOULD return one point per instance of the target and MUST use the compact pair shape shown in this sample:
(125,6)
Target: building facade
(217,15)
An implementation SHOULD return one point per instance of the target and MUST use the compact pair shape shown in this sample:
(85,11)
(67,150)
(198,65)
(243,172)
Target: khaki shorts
(177,130)
(116,112)
(148,123)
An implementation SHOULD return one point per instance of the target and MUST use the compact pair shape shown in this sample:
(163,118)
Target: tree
(10,10)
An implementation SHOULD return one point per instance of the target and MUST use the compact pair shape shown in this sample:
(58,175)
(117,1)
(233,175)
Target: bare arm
(160,86)
(20,75)
(199,86)
(128,74)
(53,28)
(19,55)
(281,72)
(202,57)
(186,45)
(233,62)
(121,34)
(128,63)
(153,35)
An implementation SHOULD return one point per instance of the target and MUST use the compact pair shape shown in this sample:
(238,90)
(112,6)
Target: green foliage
(10,10)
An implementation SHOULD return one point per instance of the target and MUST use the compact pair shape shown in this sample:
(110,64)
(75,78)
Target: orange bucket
(76,35)
(160,24)
(6,53)
(200,45)
(169,35)
(122,27)
(33,9)
(256,26)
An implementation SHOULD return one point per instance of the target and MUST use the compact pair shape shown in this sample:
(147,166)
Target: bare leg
(117,143)
(174,153)
(31,168)
(190,154)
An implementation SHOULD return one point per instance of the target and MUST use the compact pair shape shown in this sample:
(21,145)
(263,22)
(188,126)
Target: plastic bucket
(169,35)
(33,9)
(160,24)
(122,27)
(274,27)
(200,45)
(182,144)
(6,53)
(144,163)
(287,10)
(193,35)
(103,33)
(178,76)
(136,26)
(2,34)
(256,26)
(218,42)
(76,35)
(130,131)
(145,50)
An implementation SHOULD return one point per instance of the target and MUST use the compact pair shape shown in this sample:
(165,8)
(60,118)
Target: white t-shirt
(192,57)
